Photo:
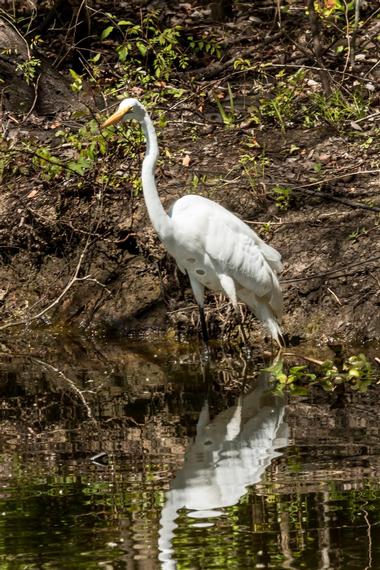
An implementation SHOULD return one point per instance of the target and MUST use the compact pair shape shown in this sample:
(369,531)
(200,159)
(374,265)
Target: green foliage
(146,52)
(254,168)
(47,164)
(196,181)
(356,372)
(77,83)
(335,109)
(291,380)
(283,196)
(81,152)
(242,64)
(281,106)
(290,100)
(29,69)
(205,44)
(228,117)
(356,234)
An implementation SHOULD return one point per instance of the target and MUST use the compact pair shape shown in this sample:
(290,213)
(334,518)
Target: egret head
(127,110)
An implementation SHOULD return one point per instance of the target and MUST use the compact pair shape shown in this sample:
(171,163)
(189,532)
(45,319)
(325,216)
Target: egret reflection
(228,453)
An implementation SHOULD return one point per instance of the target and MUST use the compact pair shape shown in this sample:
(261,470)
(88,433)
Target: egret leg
(203,324)
(198,290)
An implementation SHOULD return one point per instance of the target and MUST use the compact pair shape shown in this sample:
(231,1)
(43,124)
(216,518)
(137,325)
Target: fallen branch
(332,271)
(346,201)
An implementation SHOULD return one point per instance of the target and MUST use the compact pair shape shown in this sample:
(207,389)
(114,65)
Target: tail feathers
(266,315)
(263,310)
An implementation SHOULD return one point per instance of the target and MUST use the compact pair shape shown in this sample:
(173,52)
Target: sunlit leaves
(356,372)
(106,32)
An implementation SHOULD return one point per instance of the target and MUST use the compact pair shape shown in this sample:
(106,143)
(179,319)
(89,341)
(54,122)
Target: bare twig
(334,295)
(71,383)
(317,46)
(342,269)
(36,85)
(354,33)
(336,177)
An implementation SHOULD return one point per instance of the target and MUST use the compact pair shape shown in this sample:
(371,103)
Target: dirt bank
(77,248)
(126,282)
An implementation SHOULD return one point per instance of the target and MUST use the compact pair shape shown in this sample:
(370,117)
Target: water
(146,456)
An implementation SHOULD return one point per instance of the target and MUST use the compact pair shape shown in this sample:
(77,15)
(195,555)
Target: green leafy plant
(356,234)
(29,69)
(228,117)
(356,372)
(291,380)
(283,196)
(335,109)
(205,44)
(196,181)
(147,51)
(281,106)
(46,163)
(254,168)
(77,81)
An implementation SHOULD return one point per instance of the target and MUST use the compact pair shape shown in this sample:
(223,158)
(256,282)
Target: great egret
(213,246)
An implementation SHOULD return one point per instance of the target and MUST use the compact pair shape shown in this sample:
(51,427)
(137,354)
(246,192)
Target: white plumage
(209,243)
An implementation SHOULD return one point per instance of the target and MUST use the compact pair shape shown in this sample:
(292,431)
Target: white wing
(209,229)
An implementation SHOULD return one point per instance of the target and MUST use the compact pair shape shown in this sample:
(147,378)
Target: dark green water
(144,457)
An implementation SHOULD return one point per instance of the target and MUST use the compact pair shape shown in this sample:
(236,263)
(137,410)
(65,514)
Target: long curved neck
(159,218)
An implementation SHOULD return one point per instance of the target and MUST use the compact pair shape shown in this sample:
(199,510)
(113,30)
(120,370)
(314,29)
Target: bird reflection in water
(229,453)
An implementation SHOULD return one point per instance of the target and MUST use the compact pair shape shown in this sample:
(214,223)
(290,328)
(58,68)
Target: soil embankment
(78,250)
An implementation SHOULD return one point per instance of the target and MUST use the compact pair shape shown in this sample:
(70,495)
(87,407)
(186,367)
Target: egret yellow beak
(115,118)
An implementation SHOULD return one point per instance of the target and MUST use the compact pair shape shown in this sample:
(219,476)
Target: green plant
(355,235)
(242,64)
(335,109)
(228,117)
(205,44)
(196,180)
(359,371)
(281,106)
(46,163)
(254,168)
(146,51)
(356,372)
(77,83)
(266,227)
(283,195)
(290,380)
(29,68)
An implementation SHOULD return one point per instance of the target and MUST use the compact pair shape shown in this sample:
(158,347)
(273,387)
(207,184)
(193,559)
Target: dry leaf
(32,194)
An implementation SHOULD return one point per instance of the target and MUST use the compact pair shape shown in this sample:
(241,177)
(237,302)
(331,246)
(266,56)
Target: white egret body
(209,243)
